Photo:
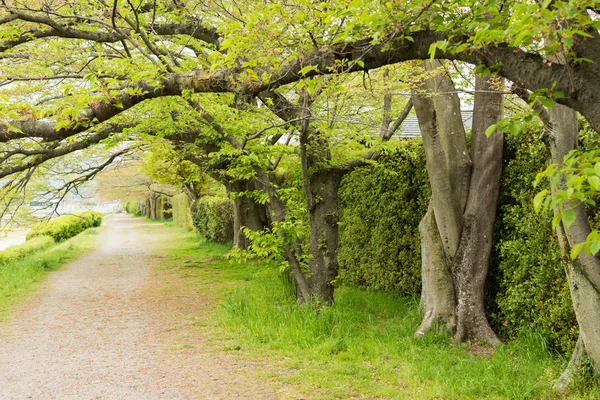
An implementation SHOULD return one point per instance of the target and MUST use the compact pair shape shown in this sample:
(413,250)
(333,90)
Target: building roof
(410,126)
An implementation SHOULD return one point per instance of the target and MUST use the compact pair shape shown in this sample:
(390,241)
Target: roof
(410,126)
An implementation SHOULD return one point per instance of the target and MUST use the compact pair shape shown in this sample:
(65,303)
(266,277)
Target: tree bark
(246,212)
(324,217)
(583,273)
(472,258)
(456,232)
(437,293)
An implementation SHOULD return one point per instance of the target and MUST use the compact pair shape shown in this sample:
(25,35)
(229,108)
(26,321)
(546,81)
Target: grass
(19,277)
(362,347)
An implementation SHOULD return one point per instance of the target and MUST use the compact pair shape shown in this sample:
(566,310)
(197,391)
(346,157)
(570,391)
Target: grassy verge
(19,277)
(362,347)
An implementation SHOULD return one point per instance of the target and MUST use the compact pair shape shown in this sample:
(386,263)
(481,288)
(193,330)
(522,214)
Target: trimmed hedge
(67,226)
(527,273)
(380,207)
(182,213)
(20,251)
(213,218)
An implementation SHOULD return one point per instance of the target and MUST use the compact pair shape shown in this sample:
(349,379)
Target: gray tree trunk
(246,212)
(472,257)
(583,273)
(456,232)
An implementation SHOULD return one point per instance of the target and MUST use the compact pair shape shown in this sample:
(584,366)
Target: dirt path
(97,331)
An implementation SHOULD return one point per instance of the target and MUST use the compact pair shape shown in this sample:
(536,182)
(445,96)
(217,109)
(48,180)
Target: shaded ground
(108,326)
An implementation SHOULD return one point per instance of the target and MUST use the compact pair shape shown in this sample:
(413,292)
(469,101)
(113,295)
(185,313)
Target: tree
(456,232)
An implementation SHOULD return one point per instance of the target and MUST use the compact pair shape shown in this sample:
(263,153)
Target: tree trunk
(456,232)
(324,217)
(583,273)
(246,212)
(321,182)
(472,257)
(437,293)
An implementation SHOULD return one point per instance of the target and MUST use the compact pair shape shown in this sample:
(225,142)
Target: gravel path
(92,333)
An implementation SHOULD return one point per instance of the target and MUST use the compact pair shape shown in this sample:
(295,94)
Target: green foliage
(381,206)
(182,214)
(133,207)
(213,218)
(20,251)
(532,293)
(67,226)
(576,180)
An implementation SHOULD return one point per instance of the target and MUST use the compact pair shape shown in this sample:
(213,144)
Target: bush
(527,269)
(31,246)
(182,214)
(213,218)
(67,226)
(381,206)
(133,207)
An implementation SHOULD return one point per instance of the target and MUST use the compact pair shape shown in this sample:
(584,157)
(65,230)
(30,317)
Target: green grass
(363,346)
(18,277)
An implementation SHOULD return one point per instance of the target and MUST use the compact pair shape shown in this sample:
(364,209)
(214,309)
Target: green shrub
(527,271)
(213,218)
(29,247)
(182,214)
(381,206)
(133,207)
(67,226)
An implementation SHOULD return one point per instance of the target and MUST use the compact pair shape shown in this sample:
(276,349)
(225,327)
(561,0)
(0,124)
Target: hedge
(133,207)
(182,214)
(29,247)
(380,207)
(527,269)
(67,226)
(213,218)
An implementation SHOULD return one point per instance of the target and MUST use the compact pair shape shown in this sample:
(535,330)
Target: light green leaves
(538,199)
(491,129)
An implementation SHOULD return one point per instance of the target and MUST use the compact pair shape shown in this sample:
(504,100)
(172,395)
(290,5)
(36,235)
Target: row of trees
(251,93)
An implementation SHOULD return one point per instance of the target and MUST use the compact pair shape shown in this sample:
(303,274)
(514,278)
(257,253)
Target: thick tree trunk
(583,273)
(472,257)
(456,232)
(246,212)
(324,217)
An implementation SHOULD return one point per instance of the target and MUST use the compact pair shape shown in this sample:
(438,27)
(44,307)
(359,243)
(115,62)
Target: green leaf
(595,247)
(594,182)
(575,250)
(490,130)
(546,102)
(307,69)
(538,199)
(569,217)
